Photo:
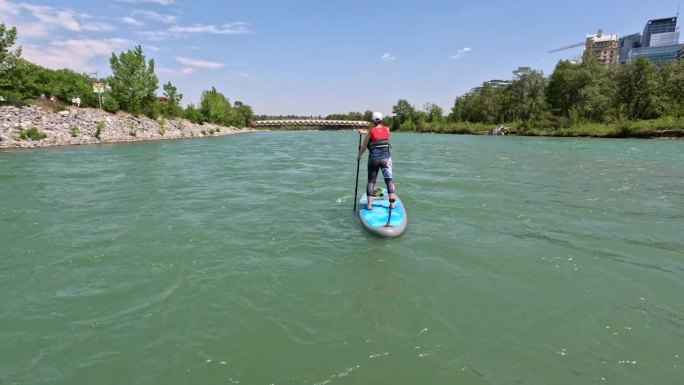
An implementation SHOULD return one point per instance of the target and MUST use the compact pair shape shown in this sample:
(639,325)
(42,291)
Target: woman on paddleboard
(377,141)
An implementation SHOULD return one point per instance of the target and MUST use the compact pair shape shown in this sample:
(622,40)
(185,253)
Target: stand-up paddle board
(376,220)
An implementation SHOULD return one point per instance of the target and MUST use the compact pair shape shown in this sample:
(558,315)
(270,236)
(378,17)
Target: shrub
(110,105)
(152,109)
(98,129)
(32,133)
(73,130)
(193,114)
(162,126)
(132,131)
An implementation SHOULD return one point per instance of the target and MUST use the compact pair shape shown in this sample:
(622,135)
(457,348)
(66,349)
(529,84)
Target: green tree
(563,88)
(109,104)
(456,113)
(66,84)
(8,56)
(484,104)
(27,80)
(243,114)
(463,110)
(435,113)
(193,114)
(172,107)
(403,115)
(420,122)
(216,108)
(367,116)
(581,91)
(528,88)
(470,107)
(638,86)
(22,81)
(9,61)
(488,105)
(672,87)
(133,82)
(597,92)
(504,104)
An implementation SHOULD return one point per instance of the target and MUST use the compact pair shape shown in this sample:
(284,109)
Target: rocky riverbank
(32,126)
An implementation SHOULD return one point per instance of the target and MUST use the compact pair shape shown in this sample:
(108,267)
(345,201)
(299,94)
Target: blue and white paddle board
(375,220)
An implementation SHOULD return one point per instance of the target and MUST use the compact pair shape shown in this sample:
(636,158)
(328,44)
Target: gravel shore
(76,126)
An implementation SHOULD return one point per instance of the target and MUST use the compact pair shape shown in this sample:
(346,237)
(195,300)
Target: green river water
(239,260)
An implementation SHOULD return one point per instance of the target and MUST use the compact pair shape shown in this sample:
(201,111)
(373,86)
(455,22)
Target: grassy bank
(663,127)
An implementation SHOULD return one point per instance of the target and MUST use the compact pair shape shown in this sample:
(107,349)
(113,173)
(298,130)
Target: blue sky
(318,57)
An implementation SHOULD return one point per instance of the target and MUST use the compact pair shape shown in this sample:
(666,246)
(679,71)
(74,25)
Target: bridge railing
(309,123)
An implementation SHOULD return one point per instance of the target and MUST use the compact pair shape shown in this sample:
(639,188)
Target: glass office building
(626,44)
(657,26)
(657,54)
(659,42)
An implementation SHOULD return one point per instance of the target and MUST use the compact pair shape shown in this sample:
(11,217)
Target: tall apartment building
(603,48)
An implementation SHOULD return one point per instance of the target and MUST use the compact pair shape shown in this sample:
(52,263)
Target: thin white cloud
(235,28)
(156,35)
(10,15)
(387,56)
(50,16)
(7,8)
(173,72)
(29,29)
(64,18)
(238,75)
(244,75)
(75,54)
(198,63)
(132,21)
(460,53)
(97,27)
(156,16)
(160,2)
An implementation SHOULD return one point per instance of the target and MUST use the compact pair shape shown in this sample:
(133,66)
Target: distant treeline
(636,98)
(132,88)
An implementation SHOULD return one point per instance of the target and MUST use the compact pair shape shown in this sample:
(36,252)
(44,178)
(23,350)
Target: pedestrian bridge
(338,124)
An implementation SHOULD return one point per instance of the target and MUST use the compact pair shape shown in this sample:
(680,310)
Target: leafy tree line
(574,94)
(580,93)
(133,85)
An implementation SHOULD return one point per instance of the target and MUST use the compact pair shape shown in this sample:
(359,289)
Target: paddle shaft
(358,163)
